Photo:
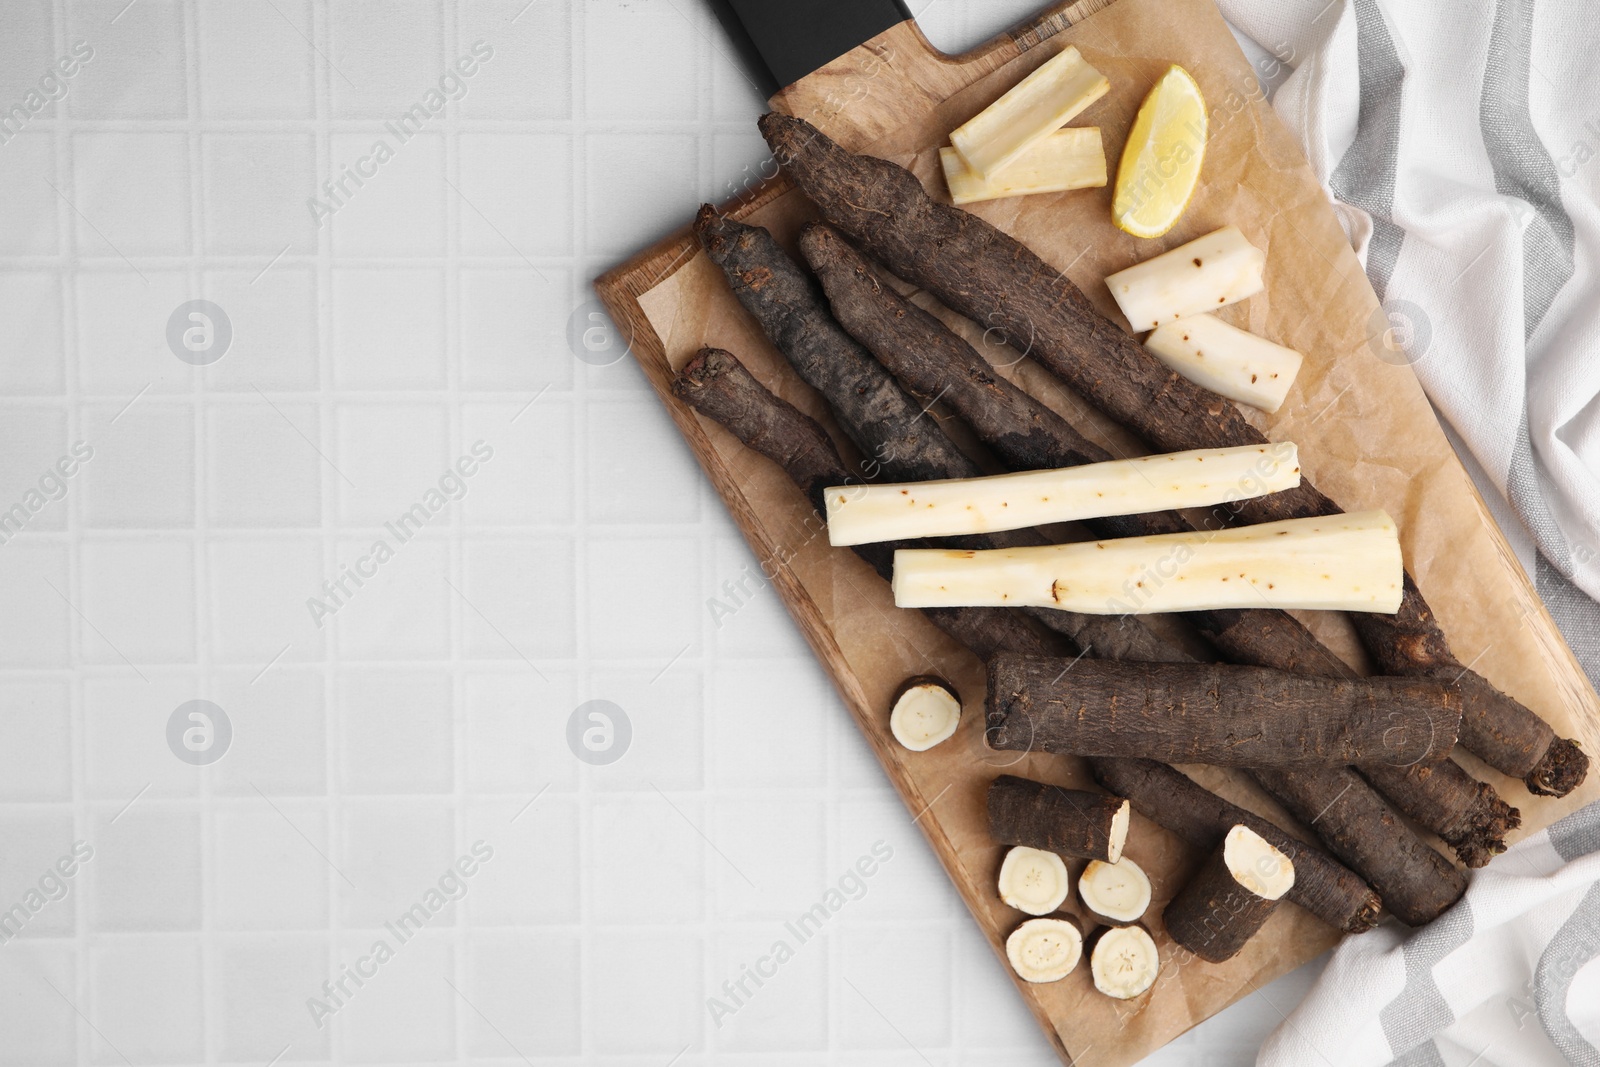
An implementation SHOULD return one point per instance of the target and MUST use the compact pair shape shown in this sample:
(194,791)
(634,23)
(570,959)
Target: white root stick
(1347,562)
(1226,360)
(863,514)
(1073,158)
(1036,107)
(1203,275)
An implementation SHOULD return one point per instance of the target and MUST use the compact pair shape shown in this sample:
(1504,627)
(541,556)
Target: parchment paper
(1367,437)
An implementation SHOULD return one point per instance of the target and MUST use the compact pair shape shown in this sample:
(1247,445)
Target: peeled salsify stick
(1203,275)
(1227,360)
(1073,158)
(1036,107)
(861,514)
(1337,562)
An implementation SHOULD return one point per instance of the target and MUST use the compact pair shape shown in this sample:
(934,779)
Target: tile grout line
(330,495)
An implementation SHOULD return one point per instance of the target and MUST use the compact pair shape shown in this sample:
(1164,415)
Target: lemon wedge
(1161,161)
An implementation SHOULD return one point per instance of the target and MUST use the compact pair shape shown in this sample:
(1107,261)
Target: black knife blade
(781,41)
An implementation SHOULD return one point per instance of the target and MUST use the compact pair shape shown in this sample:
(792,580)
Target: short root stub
(1560,771)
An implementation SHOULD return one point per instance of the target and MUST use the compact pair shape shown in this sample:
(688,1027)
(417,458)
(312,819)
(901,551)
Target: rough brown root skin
(1560,771)
(889,427)
(993,279)
(1221,714)
(1468,814)
(1171,799)
(1069,822)
(718,386)
(1213,915)
(1416,883)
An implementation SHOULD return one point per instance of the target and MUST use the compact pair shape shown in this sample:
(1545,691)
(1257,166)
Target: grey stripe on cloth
(1522,167)
(1526,493)
(1365,177)
(1578,834)
(1424,1055)
(1576,615)
(1575,944)
(1420,1010)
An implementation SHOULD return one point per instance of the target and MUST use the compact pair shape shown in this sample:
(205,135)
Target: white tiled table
(432,309)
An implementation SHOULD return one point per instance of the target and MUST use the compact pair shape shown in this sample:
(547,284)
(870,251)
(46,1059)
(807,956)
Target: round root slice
(1160,164)
(1044,950)
(1256,865)
(1117,891)
(1124,961)
(926,712)
(1033,880)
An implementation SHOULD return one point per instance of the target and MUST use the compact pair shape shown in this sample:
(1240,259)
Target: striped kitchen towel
(1461,142)
(1509,977)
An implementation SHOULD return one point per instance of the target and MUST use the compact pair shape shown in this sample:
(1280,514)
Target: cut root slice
(1161,160)
(1036,107)
(926,712)
(1033,880)
(862,514)
(1335,563)
(1117,891)
(1226,360)
(1124,961)
(1256,864)
(1045,950)
(1073,158)
(1203,275)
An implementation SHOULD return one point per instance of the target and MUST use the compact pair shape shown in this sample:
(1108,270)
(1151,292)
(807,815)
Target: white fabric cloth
(1462,144)
(1509,977)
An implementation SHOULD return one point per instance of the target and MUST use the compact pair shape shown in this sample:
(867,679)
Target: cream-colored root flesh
(862,514)
(1033,881)
(1226,360)
(1117,891)
(1124,962)
(1119,831)
(924,715)
(1203,275)
(1036,107)
(1073,158)
(1256,865)
(1333,563)
(1044,950)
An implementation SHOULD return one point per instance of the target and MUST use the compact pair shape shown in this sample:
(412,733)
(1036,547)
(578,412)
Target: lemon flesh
(1161,161)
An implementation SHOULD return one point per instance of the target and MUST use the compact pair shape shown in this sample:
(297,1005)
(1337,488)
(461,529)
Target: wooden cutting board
(1367,436)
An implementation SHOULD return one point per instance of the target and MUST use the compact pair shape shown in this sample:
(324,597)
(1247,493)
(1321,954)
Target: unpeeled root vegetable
(1227,360)
(1336,562)
(1161,159)
(1124,961)
(992,278)
(1416,883)
(1045,950)
(1033,880)
(1203,275)
(1230,897)
(1036,107)
(1117,891)
(1072,158)
(1068,822)
(860,514)
(926,712)
(1171,799)
(1223,714)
